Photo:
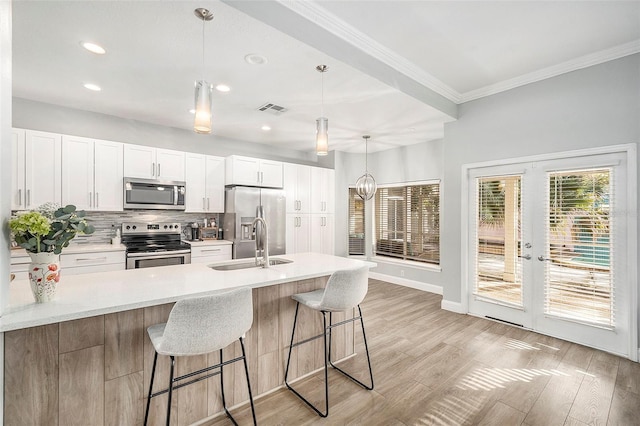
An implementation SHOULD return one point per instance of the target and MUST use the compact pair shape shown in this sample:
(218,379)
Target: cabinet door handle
(158,169)
(203,203)
(19,197)
(97,201)
(90,199)
(87,259)
(153,169)
(261,177)
(27,202)
(208,204)
(210,250)
(258,177)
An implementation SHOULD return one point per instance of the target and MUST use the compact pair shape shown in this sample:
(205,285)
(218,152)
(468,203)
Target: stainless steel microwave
(154,194)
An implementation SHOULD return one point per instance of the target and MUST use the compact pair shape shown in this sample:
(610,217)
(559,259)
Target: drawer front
(221,251)
(91,259)
(65,271)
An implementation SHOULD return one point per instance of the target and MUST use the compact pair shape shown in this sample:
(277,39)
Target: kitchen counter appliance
(154,244)
(243,205)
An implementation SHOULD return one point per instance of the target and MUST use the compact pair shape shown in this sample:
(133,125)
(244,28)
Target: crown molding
(555,70)
(358,39)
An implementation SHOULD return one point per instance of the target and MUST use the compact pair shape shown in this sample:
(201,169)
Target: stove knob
(128,227)
(165,227)
(134,227)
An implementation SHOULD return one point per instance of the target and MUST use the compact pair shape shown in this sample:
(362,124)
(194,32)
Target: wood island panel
(104,364)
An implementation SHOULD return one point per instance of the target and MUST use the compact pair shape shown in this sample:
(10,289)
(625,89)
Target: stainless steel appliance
(154,194)
(154,244)
(243,205)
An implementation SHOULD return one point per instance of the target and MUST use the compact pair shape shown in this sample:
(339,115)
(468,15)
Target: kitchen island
(85,358)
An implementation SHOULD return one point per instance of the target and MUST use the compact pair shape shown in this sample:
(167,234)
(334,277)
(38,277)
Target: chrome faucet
(265,246)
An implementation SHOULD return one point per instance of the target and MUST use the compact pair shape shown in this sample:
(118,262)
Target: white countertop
(82,296)
(204,243)
(77,248)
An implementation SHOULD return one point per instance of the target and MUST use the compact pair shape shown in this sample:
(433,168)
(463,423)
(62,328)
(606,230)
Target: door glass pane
(579,282)
(498,238)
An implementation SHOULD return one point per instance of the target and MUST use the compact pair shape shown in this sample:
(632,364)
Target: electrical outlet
(402,272)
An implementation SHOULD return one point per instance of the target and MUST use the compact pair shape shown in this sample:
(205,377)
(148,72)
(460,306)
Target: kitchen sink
(247,265)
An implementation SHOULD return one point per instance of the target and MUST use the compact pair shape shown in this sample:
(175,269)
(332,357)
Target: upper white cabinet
(37,172)
(253,172)
(297,185)
(322,190)
(153,163)
(205,183)
(92,172)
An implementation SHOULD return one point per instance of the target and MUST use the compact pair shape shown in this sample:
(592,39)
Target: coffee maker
(194,231)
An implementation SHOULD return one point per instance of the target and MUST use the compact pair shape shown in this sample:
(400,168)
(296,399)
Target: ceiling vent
(272,109)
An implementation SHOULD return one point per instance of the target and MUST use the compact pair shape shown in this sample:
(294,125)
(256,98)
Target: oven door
(150,260)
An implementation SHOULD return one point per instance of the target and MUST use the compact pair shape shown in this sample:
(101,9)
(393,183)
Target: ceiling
(397,69)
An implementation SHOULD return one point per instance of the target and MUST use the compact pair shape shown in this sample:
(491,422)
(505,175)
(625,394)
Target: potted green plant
(43,233)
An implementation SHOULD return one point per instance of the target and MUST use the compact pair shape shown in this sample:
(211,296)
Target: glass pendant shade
(203,97)
(322,136)
(366,186)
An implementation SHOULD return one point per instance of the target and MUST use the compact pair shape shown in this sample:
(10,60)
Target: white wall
(412,163)
(34,115)
(592,107)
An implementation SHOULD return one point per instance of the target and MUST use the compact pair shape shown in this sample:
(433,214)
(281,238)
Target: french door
(547,248)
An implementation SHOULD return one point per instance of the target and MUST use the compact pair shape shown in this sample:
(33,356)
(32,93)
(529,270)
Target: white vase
(44,274)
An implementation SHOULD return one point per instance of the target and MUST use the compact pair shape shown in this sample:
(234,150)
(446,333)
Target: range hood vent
(273,109)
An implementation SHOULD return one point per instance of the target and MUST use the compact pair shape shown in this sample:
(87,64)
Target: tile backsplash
(106,223)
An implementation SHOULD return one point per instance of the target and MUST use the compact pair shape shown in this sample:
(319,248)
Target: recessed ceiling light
(222,88)
(94,48)
(255,59)
(266,128)
(92,86)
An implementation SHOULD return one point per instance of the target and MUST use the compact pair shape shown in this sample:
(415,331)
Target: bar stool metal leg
(246,371)
(366,349)
(173,363)
(153,374)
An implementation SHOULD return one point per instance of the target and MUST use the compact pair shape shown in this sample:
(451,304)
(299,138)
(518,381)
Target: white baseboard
(431,288)
(456,307)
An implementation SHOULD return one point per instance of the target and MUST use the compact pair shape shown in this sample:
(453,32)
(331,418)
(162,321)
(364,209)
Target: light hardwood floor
(434,367)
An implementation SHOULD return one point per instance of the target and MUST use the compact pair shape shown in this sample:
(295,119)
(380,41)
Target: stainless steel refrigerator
(242,205)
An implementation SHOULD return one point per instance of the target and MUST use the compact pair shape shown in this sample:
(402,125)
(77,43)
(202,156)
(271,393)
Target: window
(356,223)
(408,222)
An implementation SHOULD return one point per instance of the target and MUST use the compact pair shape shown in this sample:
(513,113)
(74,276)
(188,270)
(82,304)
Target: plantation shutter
(579,239)
(356,223)
(408,222)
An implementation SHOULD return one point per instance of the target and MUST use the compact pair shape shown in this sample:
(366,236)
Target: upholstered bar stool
(198,326)
(344,290)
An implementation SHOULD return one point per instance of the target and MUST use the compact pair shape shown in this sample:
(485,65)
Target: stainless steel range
(154,244)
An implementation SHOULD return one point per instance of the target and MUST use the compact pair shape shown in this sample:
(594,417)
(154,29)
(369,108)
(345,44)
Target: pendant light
(204,90)
(322,123)
(366,185)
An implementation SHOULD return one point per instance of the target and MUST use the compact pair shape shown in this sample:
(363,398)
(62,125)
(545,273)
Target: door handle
(203,203)
(27,202)
(158,169)
(208,204)
(153,169)
(19,197)
(90,199)
(541,258)
(526,256)
(97,200)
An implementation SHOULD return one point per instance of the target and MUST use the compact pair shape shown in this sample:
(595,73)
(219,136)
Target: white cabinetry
(322,190)
(205,183)
(298,233)
(92,172)
(37,171)
(322,233)
(153,163)
(297,185)
(253,172)
(209,253)
(86,263)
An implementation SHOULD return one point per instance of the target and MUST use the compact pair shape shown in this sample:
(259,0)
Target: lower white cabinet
(210,253)
(86,263)
(75,263)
